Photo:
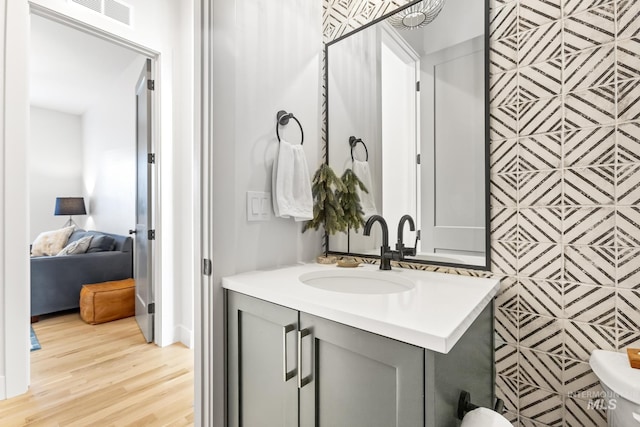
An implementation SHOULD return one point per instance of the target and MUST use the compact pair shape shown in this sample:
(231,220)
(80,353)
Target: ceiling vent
(113,9)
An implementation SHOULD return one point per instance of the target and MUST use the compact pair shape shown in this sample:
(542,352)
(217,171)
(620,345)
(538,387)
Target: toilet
(621,384)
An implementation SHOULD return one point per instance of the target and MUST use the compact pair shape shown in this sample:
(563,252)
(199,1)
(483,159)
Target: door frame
(155,275)
(209,320)
(14,222)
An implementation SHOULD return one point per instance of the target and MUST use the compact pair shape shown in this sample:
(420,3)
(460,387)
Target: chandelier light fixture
(418,15)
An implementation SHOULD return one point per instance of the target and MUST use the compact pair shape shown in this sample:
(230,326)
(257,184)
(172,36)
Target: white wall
(354,94)
(156,26)
(276,57)
(457,22)
(4,338)
(267,58)
(55,167)
(185,180)
(109,136)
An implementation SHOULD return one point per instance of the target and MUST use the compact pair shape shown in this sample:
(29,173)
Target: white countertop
(433,315)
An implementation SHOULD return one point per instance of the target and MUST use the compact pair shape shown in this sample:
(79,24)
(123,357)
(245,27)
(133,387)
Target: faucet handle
(415,244)
(403,250)
(409,251)
(406,251)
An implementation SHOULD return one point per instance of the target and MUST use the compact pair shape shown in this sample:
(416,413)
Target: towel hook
(283,120)
(353,141)
(465,405)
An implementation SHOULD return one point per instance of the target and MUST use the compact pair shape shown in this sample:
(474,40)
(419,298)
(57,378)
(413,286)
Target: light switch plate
(258,206)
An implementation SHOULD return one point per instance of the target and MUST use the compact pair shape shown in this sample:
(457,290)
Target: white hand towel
(274,187)
(367,201)
(291,183)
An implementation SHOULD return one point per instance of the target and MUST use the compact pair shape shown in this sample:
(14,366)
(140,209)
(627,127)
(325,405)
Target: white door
(143,255)
(453,133)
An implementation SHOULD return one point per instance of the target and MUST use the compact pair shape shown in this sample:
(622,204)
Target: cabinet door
(262,389)
(358,379)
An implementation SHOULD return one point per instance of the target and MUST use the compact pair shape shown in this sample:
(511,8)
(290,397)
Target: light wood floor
(102,375)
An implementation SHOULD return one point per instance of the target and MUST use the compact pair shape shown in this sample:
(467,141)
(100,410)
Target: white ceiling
(69,69)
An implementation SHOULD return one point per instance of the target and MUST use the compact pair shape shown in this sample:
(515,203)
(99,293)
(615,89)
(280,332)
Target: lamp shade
(70,206)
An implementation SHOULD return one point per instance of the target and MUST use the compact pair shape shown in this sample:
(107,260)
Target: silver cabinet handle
(286,376)
(302,381)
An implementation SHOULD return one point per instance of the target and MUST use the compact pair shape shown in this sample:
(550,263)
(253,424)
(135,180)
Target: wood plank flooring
(102,375)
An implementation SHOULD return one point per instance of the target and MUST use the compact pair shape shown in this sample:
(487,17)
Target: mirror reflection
(406,111)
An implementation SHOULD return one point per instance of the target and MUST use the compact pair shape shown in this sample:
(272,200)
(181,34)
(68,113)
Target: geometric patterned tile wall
(565,146)
(565,194)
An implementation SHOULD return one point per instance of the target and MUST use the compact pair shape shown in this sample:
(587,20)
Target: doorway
(84,96)
(161,31)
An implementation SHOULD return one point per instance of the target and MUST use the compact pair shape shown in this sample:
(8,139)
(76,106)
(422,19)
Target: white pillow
(80,246)
(51,242)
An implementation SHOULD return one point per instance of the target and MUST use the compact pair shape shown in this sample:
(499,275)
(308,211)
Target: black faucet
(385,251)
(401,249)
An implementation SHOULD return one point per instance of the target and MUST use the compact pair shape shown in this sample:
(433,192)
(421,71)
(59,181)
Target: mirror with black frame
(407,110)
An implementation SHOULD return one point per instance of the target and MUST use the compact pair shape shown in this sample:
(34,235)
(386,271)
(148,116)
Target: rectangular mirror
(407,110)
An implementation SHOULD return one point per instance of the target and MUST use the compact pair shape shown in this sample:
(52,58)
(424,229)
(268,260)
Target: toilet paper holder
(465,405)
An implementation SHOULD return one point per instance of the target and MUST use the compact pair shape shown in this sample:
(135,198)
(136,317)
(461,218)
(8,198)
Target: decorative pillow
(77,235)
(101,243)
(51,242)
(77,247)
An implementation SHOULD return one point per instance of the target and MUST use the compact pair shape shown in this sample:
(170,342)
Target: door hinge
(151,84)
(151,308)
(418,86)
(418,234)
(206,267)
(151,234)
(418,159)
(151,158)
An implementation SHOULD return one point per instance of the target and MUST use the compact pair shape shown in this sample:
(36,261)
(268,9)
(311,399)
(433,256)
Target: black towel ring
(283,120)
(353,141)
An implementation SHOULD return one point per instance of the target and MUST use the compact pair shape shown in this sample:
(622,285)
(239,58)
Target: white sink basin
(357,281)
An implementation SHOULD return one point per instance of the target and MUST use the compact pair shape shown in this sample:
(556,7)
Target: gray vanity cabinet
(348,377)
(258,334)
(358,379)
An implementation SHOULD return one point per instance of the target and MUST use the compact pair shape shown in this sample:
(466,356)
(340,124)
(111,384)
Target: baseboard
(3,388)
(184,335)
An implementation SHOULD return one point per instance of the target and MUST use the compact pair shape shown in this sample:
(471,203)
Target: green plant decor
(350,201)
(327,210)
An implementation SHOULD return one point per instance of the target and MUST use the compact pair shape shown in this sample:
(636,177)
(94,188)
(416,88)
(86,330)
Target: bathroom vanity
(316,345)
